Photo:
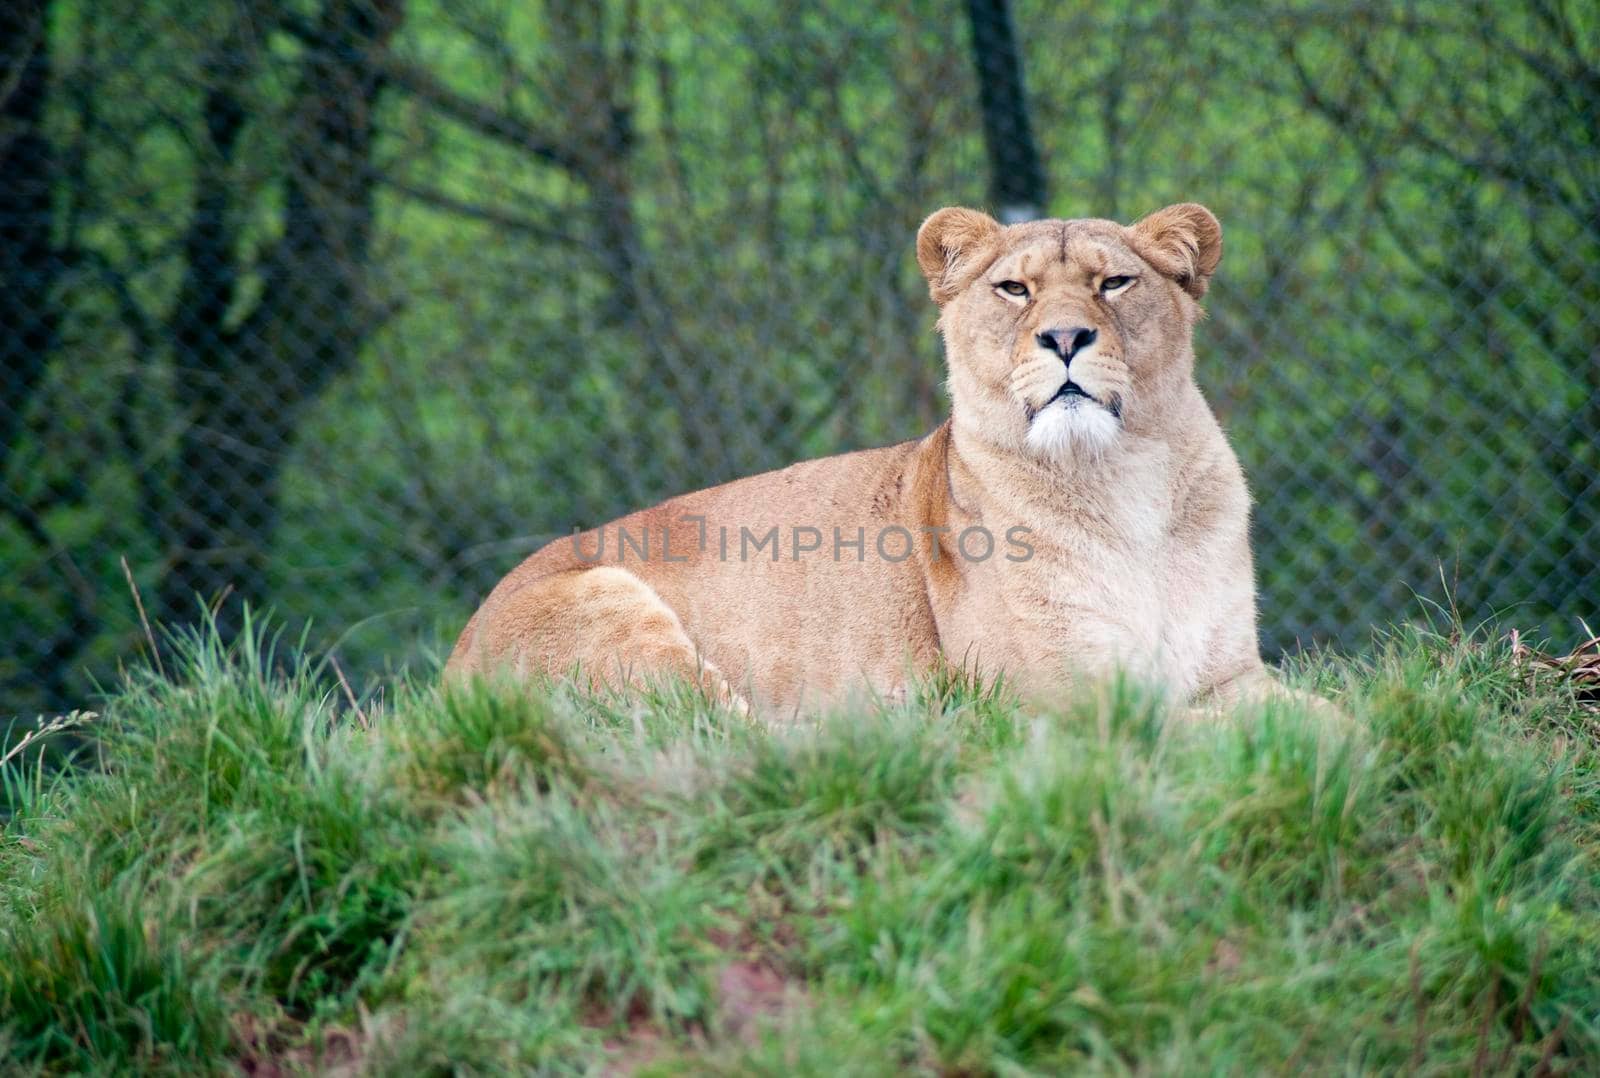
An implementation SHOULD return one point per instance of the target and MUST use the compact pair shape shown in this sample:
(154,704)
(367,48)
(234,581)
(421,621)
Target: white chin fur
(1074,426)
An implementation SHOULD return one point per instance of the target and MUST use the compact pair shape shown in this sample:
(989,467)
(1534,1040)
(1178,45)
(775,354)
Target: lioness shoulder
(1079,510)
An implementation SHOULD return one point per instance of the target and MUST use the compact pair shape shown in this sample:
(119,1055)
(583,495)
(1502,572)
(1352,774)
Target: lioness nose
(1067,342)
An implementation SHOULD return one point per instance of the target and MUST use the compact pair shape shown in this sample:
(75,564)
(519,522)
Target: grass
(244,870)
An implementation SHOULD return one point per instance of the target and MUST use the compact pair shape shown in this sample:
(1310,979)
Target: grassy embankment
(248,870)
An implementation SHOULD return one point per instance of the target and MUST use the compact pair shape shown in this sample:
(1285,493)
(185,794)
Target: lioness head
(1061,335)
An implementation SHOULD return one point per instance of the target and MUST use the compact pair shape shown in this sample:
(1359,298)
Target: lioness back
(800,581)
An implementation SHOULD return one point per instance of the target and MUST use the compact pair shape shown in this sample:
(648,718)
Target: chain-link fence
(341,306)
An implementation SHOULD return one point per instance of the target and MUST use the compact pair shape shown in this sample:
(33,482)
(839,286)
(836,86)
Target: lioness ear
(947,246)
(1184,242)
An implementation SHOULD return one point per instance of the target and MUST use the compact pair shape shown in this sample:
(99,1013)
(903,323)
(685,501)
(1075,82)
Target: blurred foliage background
(343,306)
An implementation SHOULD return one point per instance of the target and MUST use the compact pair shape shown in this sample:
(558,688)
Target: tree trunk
(29,264)
(30,270)
(1017,180)
(250,386)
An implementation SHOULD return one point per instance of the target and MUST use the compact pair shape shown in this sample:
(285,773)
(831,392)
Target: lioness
(1080,509)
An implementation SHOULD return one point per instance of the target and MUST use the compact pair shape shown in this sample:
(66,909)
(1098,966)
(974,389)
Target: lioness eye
(1114,284)
(1013,288)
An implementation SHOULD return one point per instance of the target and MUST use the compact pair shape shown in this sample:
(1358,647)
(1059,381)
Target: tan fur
(1128,495)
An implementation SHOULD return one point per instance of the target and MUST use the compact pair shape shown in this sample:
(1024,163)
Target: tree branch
(477,116)
(477,212)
